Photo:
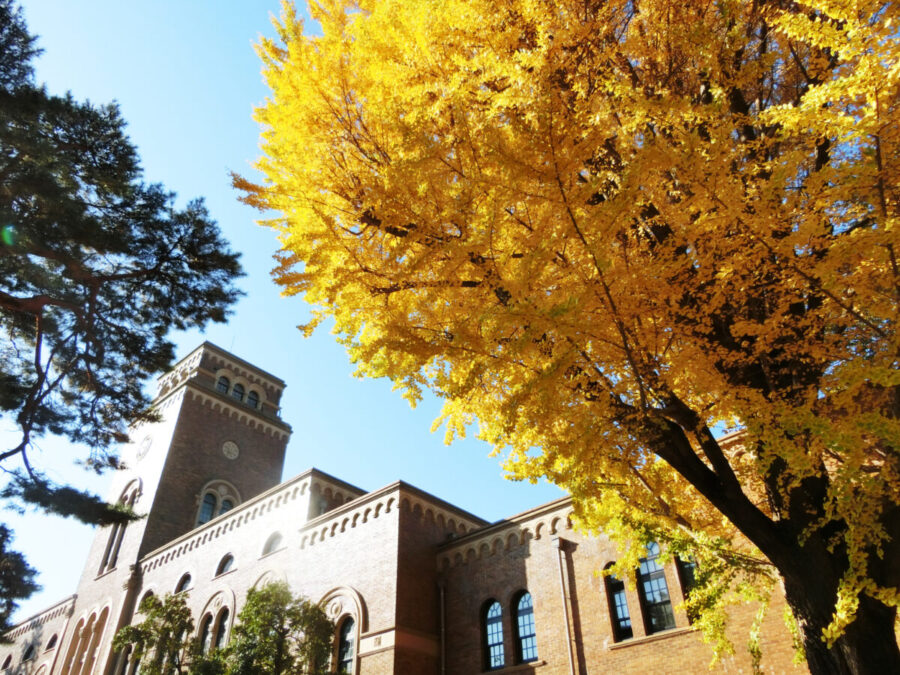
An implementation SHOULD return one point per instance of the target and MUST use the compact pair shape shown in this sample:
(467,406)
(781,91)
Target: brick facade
(414,573)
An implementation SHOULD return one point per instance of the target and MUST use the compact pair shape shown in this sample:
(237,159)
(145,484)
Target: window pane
(494,634)
(227,505)
(184,584)
(346,651)
(237,392)
(272,543)
(206,634)
(223,384)
(222,629)
(253,399)
(207,508)
(619,605)
(225,564)
(654,593)
(526,629)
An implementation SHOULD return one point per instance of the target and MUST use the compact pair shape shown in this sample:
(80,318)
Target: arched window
(654,593)
(618,607)
(493,635)
(207,508)
(219,497)
(273,543)
(51,643)
(7,662)
(29,653)
(222,629)
(223,384)
(237,392)
(346,646)
(206,634)
(183,584)
(225,564)
(253,399)
(117,533)
(526,635)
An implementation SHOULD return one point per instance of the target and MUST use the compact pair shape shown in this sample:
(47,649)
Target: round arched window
(273,543)
(225,564)
(183,584)
(223,385)
(253,399)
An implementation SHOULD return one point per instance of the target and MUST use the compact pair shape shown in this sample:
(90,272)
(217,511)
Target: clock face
(144,447)
(230,450)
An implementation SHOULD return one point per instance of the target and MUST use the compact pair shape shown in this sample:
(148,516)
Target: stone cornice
(237,517)
(248,511)
(64,606)
(248,416)
(383,501)
(542,522)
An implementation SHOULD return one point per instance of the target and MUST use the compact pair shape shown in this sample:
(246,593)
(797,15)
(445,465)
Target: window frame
(238,392)
(220,629)
(615,591)
(253,399)
(184,583)
(226,564)
(215,495)
(492,635)
(272,544)
(346,637)
(525,642)
(653,591)
(223,385)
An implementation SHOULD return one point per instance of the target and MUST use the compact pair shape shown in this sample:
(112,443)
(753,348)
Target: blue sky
(187,78)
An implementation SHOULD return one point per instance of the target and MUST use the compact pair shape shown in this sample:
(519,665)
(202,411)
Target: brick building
(414,584)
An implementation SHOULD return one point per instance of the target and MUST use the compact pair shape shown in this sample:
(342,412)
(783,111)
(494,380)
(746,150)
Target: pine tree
(96,268)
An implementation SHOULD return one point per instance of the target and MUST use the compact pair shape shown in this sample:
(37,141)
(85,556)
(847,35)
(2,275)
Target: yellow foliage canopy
(602,229)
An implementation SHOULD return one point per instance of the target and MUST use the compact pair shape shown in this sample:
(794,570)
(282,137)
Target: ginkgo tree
(603,230)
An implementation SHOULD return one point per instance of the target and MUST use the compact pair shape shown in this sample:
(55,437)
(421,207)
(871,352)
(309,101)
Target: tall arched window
(237,392)
(51,643)
(205,639)
(225,506)
(223,384)
(618,607)
(493,635)
(526,634)
(346,655)
(207,508)
(7,662)
(117,533)
(222,629)
(654,593)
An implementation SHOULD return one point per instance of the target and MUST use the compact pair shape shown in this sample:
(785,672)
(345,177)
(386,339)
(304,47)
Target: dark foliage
(96,268)
(16,579)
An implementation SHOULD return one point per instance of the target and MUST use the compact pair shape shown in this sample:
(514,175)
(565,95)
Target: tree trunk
(869,644)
